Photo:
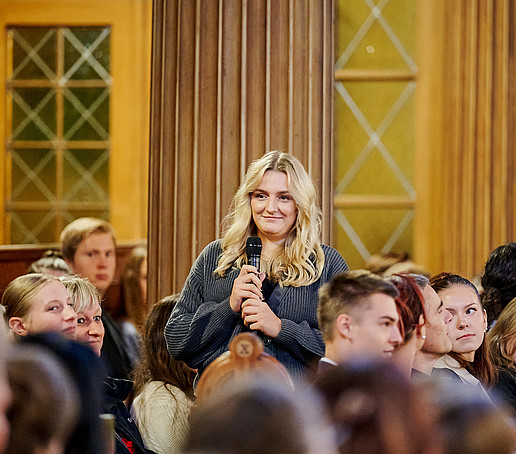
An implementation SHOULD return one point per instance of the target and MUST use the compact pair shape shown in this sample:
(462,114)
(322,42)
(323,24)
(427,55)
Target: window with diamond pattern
(58,142)
(374,127)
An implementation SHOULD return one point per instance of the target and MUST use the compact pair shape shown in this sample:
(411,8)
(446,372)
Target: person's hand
(247,285)
(259,316)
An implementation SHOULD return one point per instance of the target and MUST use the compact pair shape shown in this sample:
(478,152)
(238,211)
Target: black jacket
(116,391)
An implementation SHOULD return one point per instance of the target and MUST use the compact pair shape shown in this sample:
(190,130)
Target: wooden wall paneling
(277,102)
(206,125)
(255,71)
(475,153)
(244,76)
(299,70)
(430,134)
(162,166)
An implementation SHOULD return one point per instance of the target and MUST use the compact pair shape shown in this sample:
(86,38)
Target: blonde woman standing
(224,296)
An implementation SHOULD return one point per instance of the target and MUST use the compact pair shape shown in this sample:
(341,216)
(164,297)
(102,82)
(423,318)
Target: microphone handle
(254,260)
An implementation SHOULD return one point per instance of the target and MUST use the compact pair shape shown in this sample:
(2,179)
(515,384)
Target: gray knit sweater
(202,323)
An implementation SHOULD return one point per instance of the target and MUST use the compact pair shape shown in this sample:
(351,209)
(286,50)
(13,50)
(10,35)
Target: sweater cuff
(287,333)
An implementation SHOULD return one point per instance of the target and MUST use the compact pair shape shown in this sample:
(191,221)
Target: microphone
(253,250)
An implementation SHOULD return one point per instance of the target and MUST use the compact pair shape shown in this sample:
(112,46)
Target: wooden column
(469,185)
(231,79)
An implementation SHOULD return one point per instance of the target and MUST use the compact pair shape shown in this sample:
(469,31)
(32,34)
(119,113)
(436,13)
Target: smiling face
(374,330)
(95,259)
(51,310)
(90,329)
(273,207)
(469,320)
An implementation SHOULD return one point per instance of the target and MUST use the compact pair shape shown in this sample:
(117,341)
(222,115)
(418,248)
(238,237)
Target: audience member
(499,280)
(133,281)
(376,409)
(390,263)
(223,296)
(437,343)
(469,359)
(37,303)
(502,345)
(89,247)
(87,373)
(52,262)
(86,303)
(357,316)
(91,332)
(257,417)
(471,424)
(410,304)
(44,411)
(164,387)
(5,390)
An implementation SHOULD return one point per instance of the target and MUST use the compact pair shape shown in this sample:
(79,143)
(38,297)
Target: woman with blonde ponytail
(224,296)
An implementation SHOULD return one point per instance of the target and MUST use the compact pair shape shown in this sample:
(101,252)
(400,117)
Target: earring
(423,337)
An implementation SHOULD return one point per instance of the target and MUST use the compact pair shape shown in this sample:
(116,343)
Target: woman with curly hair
(224,296)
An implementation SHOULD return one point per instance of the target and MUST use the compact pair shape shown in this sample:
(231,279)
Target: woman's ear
(485,320)
(18,326)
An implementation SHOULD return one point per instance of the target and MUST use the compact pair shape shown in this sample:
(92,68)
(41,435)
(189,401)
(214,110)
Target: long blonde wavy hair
(302,259)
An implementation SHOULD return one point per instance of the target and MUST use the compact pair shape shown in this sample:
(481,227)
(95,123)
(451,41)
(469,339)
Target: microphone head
(253,246)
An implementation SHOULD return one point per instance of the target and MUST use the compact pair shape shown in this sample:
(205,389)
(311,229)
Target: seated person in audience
(437,343)
(84,367)
(133,283)
(90,331)
(390,263)
(164,387)
(502,345)
(412,320)
(257,417)
(86,303)
(376,409)
(469,360)
(469,423)
(5,390)
(44,411)
(89,247)
(37,303)
(357,316)
(52,262)
(499,280)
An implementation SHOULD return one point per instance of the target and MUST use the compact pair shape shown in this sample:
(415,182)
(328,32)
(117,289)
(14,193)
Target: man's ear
(18,326)
(343,325)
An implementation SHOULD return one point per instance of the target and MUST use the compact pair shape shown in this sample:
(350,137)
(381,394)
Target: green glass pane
(374,227)
(363,41)
(33,114)
(86,175)
(86,53)
(362,169)
(33,175)
(32,227)
(86,114)
(33,52)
